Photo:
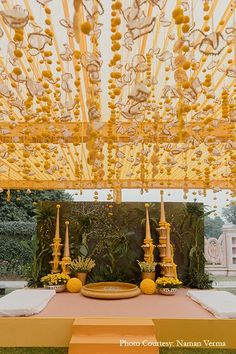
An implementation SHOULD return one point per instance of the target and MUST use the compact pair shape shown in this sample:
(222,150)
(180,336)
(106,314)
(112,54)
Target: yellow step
(113,336)
(111,339)
(113,325)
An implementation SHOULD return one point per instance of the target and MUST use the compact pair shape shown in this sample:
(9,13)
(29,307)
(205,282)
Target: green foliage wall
(115,241)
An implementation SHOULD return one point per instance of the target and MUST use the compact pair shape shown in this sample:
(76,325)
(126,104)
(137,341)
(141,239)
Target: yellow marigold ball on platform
(74,285)
(148,286)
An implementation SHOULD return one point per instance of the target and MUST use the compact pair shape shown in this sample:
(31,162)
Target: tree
(21,206)
(213,226)
(18,227)
(230,214)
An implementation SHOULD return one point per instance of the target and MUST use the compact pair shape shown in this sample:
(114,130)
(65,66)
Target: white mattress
(221,303)
(25,302)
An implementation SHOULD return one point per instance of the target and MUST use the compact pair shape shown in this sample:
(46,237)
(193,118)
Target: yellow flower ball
(18,37)
(18,53)
(115,47)
(47,10)
(86,27)
(185,28)
(177,12)
(17,71)
(206,28)
(74,285)
(179,19)
(148,286)
(117,91)
(186,65)
(186,85)
(77,54)
(116,6)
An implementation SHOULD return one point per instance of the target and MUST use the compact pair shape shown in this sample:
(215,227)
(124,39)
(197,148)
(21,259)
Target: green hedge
(20,230)
(14,255)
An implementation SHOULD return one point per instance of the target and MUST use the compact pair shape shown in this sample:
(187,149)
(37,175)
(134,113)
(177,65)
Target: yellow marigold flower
(47,10)
(177,12)
(17,71)
(116,6)
(115,47)
(18,53)
(86,27)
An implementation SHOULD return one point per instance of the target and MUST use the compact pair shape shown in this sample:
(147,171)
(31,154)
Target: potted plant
(147,269)
(55,281)
(168,285)
(81,266)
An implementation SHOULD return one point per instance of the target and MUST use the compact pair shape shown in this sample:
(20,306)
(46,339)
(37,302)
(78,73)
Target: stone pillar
(229,231)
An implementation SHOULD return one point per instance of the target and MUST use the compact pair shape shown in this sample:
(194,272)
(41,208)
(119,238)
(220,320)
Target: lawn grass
(196,351)
(33,350)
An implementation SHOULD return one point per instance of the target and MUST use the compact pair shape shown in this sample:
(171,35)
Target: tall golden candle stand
(148,246)
(168,267)
(66,260)
(56,245)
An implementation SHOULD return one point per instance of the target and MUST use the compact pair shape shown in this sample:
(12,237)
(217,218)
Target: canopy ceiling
(117,94)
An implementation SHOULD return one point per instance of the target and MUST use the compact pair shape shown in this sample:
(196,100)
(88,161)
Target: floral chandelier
(118,94)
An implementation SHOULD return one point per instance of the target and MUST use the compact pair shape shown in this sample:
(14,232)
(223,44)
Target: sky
(213,200)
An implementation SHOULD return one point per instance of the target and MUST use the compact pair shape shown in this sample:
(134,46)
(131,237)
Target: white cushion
(25,302)
(221,303)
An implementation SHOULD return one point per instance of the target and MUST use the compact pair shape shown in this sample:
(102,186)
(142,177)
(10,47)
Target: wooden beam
(123,184)
(76,132)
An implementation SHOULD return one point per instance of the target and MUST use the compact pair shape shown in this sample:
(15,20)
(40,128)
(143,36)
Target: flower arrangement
(166,282)
(82,265)
(55,279)
(147,267)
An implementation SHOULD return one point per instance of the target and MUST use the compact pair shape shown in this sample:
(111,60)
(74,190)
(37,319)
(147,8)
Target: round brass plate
(110,290)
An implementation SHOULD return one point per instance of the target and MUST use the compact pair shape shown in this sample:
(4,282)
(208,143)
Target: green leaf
(83,250)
